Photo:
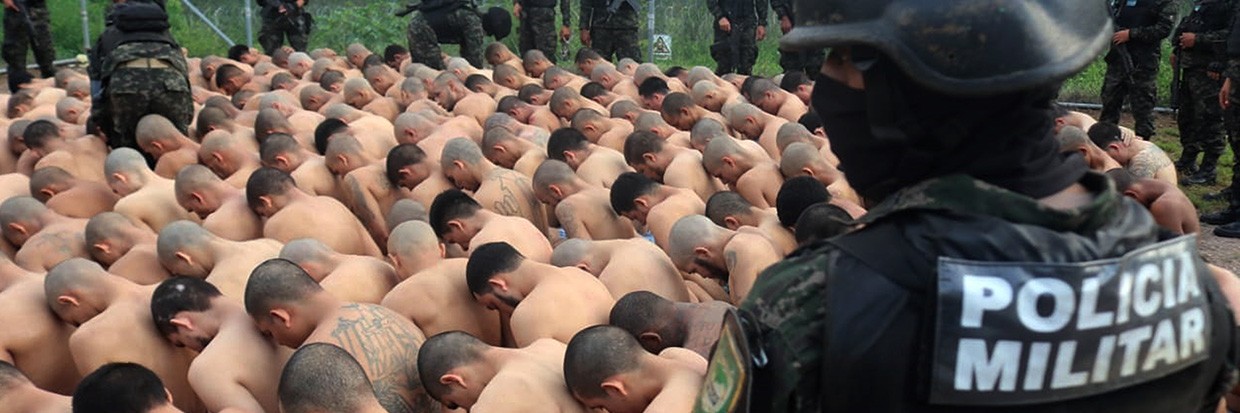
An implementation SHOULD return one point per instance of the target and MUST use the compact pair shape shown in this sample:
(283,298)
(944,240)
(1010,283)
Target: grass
(1169,140)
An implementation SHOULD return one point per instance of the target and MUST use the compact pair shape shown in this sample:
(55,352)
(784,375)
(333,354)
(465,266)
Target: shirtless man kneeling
(236,366)
(735,257)
(605,367)
(321,377)
(1166,202)
(583,210)
(458,219)
(22,396)
(271,193)
(463,372)
(658,323)
(624,266)
(351,278)
(656,206)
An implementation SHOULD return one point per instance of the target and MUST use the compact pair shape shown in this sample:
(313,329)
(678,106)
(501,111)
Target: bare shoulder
(686,357)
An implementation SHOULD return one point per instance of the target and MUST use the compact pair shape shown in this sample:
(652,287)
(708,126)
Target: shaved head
(570,252)
(153,128)
(597,354)
(792,132)
(688,234)
(306,251)
(406,210)
(444,353)
(717,149)
(642,312)
(553,172)
(321,377)
(412,236)
(797,157)
(275,282)
(179,239)
(461,149)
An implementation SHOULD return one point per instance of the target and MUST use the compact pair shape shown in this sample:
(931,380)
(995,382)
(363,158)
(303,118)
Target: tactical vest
(1136,13)
(538,3)
(739,11)
(1207,16)
(140,31)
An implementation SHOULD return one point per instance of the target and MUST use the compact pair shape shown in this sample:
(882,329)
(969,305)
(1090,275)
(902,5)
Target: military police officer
(538,25)
(445,21)
(1200,48)
(1010,280)
(141,71)
(739,25)
(1132,63)
(284,19)
(807,61)
(28,27)
(610,28)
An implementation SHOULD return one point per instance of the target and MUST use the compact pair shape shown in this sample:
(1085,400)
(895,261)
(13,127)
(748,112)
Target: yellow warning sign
(662,46)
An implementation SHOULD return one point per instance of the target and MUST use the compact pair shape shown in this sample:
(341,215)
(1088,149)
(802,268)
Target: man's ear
(727,160)
(499,148)
(48,192)
(102,247)
(650,340)
(555,190)
(615,388)
(182,322)
(281,317)
(751,120)
(456,225)
(344,160)
(649,158)
(282,161)
(639,202)
(68,300)
(770,94)
(267,201)
(182,256)
(701,252)
(498,284)
(120,177)
(569,157)
(584,266)
(197,197)
(808,171)
(731,223)
(219,157)
(460,165)
(451,379)
(589,127)
(19,228)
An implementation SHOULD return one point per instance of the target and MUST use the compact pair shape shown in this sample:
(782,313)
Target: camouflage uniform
(737,50)
(538,29)
(17,38)
(450,21)
(129,93)
(1229,218)
(277,26)
(1132,68)
(612,35)
(850,321)
(1200,118)
(809,61)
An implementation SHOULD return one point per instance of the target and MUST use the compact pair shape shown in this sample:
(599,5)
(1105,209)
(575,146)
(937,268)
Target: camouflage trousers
(809,61)
(17,39)
(133,93)
(466,28)
(538,31)
(1139,88)
(1231,118)
(1200,118)
(615,44)
(271,36)
(735,51)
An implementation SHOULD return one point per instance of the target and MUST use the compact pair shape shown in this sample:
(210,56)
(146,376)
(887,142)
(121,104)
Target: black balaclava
(896,133)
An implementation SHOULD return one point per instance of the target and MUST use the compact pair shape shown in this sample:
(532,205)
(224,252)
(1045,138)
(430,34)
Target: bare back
(542,314)
(324,219)
(35,340)
(509,193)
(438,300)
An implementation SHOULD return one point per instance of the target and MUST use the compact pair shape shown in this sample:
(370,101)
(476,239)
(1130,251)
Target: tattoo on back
(388,350)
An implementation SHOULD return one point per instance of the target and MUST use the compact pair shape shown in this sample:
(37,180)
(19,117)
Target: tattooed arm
(366,206)
(566,212)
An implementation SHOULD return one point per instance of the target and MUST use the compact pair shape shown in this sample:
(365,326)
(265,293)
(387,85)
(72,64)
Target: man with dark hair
(739,26)
(229,79)
(768,96)
(288,305)
(679,110)
(459,219)
(652,91)
(114,323)
(600,129)
(799,84)
(465,373)
(671,165)
(658,323)
(141,71)
(1171,209)
(823,221)
(324,132)
(605,368)
(795,196)
(122,388)
(533,295)
(587,59)
(730,210)
(20,395)
(284,19)
(321,377)
(407,166)
(1142,158)
(236,366)
(273,194)
(598,93)
(244,54)
(394,55)
(653,205)
(537,30)
(609,29)
(595,164)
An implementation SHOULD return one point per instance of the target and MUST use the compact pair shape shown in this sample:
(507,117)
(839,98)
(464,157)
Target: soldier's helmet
(963,47)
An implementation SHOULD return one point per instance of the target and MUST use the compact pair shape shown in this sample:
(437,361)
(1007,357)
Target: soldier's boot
(1226,216)
(1207,175)
(1231,230)
(1224,194)
(1187,165)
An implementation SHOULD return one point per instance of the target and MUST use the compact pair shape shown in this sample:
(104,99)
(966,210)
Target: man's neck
(527,276)
(482,169)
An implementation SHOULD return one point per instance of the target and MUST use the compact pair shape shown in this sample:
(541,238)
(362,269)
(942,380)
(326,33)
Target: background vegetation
(341,22)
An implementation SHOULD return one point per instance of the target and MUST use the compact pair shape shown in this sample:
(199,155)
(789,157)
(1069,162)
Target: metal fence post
(249,24)
(650,5)
(85,27)
(194,9)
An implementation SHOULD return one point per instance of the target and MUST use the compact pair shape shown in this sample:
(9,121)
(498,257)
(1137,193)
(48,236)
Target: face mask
(868,161)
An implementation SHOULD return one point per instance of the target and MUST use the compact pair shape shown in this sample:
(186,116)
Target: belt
(146,63)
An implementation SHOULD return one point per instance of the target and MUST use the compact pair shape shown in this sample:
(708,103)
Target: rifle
(1175,68)
(296,16)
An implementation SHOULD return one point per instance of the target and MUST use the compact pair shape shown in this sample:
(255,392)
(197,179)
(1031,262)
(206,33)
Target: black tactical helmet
(964,47)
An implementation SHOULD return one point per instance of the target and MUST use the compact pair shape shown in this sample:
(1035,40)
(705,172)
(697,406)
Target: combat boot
(1226,216)
(1231,230)
(1218,196)
(1207,175)
(1187,165)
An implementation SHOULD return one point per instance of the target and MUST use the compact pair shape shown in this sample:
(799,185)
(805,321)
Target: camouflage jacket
(595,14)
(848,324)
(1211,21)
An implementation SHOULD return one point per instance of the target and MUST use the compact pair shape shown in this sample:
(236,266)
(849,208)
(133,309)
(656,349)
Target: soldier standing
(791,61)
(610,28)
(445,21)
(1228,219)
(941,301)
(538,25)
(28,27)
(1132,63)
(1200,47)
(284,19)
(141,71)
(739,26)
